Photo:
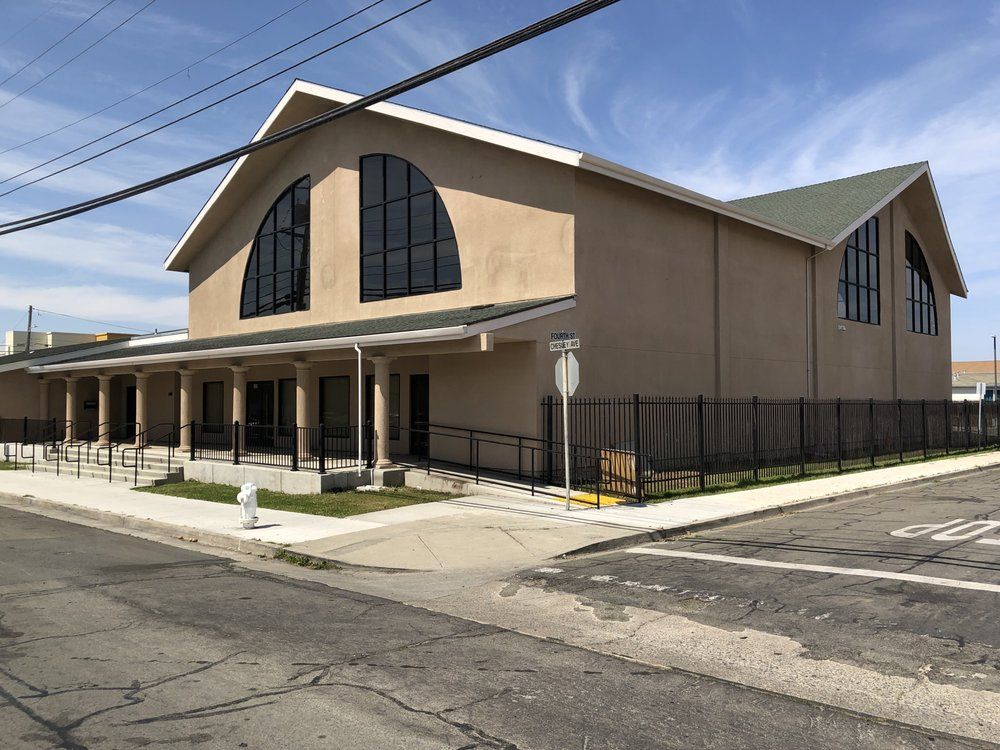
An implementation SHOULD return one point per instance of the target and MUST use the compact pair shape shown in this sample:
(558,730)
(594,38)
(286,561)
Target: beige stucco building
(447,253)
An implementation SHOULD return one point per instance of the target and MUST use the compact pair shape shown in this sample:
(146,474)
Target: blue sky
(727,97)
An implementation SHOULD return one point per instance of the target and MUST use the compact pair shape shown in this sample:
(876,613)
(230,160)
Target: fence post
(840,442)
(701,442)
(295,446)
(547,459)
(636,445)
(899,413)
(321,450)
(968,427)
(236,442)
(754,408)
(871,426)
(194,433)
(24,437)
(923,425)
(947,428)
(802,436)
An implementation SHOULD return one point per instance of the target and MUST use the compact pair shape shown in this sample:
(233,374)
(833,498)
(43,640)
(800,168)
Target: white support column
(104,408)
(239,394)
(71,382)
(381,410)
(303,399)
(187,385)
(141,404)
(43,398)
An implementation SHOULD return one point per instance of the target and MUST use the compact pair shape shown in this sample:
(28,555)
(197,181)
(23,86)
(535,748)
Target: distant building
(15,342)
(965,375)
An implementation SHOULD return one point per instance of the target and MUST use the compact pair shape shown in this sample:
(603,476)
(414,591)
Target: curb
(648,537)
(111,521)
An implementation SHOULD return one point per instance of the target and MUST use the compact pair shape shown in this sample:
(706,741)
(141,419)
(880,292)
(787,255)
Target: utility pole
(994,368)
(31,312)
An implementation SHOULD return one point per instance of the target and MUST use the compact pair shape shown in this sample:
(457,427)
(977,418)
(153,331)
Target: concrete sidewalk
(463,533)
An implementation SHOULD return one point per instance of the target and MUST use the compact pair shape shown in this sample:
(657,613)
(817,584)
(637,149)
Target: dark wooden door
(420,414)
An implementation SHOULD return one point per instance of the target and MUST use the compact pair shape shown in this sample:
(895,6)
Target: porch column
(303,380)
(381,410)
(71,382)
(239,394)
(141,401)
(187,383)
(43,398)
(104,408)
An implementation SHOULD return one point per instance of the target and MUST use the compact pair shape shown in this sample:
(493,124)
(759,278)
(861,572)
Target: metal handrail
(139,449)
(111,447)
(45,441)
(475,443)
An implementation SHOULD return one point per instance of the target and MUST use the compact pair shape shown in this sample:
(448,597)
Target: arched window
(407,241)
(276,280)
(921,309)
(857,293)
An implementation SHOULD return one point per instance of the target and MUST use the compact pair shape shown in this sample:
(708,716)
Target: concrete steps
(153,471)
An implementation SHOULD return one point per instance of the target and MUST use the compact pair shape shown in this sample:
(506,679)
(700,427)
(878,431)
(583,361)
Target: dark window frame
(858,287)
(427,258)
(289,263)
(921,306)
(335,430)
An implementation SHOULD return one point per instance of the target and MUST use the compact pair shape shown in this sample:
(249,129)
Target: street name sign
(563,341)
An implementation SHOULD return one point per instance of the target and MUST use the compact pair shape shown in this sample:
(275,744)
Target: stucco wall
(885,361)
(512,213)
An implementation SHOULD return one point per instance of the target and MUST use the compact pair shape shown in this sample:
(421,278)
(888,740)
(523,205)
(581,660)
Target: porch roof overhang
(399,330)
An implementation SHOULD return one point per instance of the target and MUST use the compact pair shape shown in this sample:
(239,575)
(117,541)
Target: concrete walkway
(463,533)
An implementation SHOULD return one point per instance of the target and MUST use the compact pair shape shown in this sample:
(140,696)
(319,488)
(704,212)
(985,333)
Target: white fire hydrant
(247,498)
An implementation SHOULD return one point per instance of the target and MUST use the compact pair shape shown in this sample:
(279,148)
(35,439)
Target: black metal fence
(655,446)
(291,447)
(24,430)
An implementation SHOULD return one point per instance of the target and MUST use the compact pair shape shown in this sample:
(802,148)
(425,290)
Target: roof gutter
(343,342)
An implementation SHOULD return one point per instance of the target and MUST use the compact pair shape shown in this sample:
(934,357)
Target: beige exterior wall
(860,360)
(512,213)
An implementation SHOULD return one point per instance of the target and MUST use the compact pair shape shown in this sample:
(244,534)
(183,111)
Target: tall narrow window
(857,293)
(407,241)
(921,308)
(276,280)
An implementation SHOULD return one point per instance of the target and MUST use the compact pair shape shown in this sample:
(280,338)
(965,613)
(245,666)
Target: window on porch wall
(335,405)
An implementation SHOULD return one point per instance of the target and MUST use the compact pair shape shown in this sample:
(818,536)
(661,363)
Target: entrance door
(213,408)
(420,409)
(260,413)
(128,429)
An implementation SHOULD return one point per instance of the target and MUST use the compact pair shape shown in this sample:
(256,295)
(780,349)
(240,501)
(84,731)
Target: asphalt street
(108,641)
(904,582)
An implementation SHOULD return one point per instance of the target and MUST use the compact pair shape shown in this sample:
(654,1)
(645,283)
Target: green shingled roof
(827,209)
(392,324)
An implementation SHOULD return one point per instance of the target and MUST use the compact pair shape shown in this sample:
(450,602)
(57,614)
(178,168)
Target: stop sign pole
(567,380)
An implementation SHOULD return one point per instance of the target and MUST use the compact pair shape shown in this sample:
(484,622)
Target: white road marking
(861,572)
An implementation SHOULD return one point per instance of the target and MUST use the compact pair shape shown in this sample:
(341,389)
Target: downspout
(357,348)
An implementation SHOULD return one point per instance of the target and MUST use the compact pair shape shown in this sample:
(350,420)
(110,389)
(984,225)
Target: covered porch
(300,400)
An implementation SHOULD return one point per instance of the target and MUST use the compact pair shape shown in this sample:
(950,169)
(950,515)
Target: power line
(78,55)
(88,320)
(191,96)
(56,44)
(153,85)
(557,20)
(52,5)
